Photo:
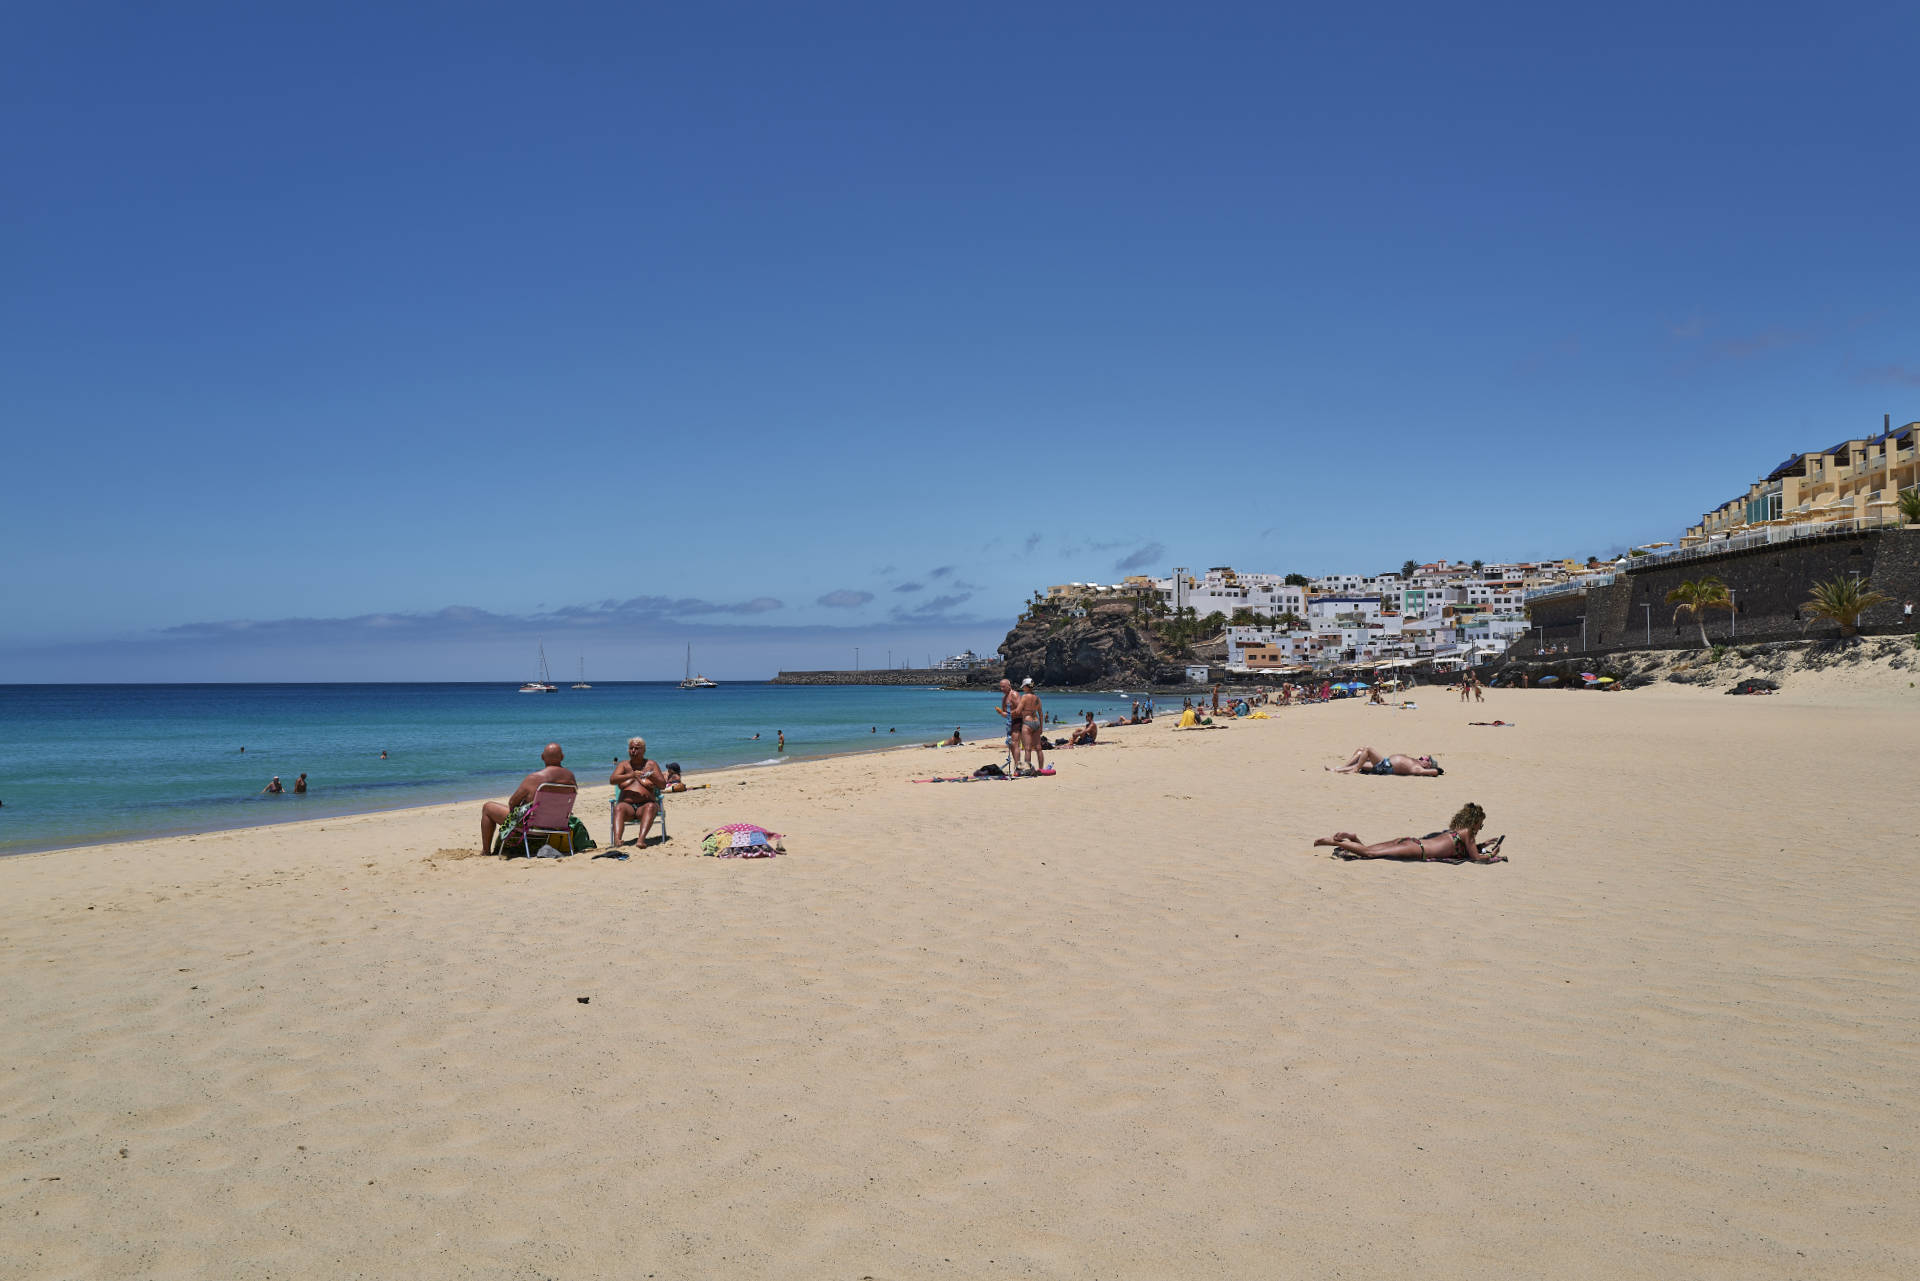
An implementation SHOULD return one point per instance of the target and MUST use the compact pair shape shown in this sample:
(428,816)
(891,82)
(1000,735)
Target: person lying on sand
(1371,760)
(1459,842)
(493,813)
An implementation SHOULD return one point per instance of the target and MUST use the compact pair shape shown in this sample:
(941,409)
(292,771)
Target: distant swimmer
(300,786)
(783,741)
(383,755)
(273,788)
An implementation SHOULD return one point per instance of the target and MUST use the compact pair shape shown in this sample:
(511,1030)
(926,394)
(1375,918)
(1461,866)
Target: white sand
(1123,1022)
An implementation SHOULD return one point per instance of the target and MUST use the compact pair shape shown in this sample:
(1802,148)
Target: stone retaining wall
(1769,585)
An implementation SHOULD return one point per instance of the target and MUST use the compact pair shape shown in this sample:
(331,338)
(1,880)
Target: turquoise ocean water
(81,764)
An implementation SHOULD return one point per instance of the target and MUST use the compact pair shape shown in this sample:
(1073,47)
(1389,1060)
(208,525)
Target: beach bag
(581,839)
(989,771)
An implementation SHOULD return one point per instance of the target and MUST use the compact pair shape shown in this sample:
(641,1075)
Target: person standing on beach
(1033,720)
(493,813)
(782,745)
(640,782)
(1016,737)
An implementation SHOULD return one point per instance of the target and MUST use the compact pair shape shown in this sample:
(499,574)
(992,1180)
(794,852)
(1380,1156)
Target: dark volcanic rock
(1107,647)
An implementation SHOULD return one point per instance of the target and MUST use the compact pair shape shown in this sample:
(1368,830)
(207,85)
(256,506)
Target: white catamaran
(582,682)
(545,684)
(696,682)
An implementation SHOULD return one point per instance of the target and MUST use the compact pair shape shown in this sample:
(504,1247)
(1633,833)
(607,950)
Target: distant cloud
(886,569)
(941,572)
(1145,556)
(845,599)
(669,607)
(1899,375)
(1033,541)
(1690,328)
(938,609)
(466,619)
(909,587)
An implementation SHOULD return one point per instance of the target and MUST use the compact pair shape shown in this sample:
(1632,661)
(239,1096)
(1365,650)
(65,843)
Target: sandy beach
(1122,1022)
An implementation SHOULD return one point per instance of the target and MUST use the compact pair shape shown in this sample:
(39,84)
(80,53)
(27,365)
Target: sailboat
(582,682)
(545,684)
(695,682)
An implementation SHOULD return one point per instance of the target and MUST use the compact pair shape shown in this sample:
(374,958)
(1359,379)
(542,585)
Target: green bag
(581,841)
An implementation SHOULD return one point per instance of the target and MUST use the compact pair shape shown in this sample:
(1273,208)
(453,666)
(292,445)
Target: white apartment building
(1225,590)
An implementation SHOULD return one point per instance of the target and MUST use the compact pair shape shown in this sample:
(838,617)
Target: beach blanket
(741,840)
(985,778)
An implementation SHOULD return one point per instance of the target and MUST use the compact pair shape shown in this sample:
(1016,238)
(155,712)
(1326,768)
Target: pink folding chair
(552,807)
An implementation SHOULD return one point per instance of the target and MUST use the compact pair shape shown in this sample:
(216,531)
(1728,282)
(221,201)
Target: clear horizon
(382,347)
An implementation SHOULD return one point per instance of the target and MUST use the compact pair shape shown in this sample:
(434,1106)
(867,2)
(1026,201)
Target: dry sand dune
(1123,1022)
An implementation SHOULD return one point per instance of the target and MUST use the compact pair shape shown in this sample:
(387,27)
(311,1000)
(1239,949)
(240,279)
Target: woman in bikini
(1460,842)
(1371,760)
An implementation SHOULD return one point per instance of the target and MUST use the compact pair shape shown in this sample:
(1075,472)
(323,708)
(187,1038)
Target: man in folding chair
(493,813)
(640,782)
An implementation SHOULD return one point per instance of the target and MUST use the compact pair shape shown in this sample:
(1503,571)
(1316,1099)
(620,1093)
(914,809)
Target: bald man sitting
(640,782)
(493,813)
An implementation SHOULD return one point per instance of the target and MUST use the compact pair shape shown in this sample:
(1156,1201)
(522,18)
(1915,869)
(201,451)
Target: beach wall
(1769,586)
(891,676)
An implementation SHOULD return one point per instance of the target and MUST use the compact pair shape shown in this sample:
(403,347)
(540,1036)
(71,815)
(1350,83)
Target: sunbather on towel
(1087,734)
(1371,760)
(1458,842)
(493,813)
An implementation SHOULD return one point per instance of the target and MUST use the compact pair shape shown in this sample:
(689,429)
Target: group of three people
(639,779)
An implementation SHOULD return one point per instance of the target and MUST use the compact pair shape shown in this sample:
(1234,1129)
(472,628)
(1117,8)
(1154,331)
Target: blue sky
(378,342)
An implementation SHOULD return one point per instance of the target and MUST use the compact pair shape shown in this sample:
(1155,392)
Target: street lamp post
(1649,610)
(1733,615)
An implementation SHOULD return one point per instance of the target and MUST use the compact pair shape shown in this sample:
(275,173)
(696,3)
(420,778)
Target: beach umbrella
(1546,680)
(1604,680)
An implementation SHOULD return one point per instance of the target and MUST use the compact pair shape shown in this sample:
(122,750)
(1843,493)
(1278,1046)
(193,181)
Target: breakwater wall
(1770,585)
(892,676)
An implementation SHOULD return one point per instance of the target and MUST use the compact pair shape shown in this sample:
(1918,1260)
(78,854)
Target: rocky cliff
(1108,647)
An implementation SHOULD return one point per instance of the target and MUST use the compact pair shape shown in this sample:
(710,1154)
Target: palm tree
(1408,568)
(1696,598)
(1477,565)
(1909,505)
(1843,600)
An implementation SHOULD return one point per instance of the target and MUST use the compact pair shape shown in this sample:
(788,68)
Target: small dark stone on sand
(583,999)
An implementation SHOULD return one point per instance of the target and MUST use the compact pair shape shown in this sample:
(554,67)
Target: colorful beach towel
(741,840)
(986,778)
(510,829)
